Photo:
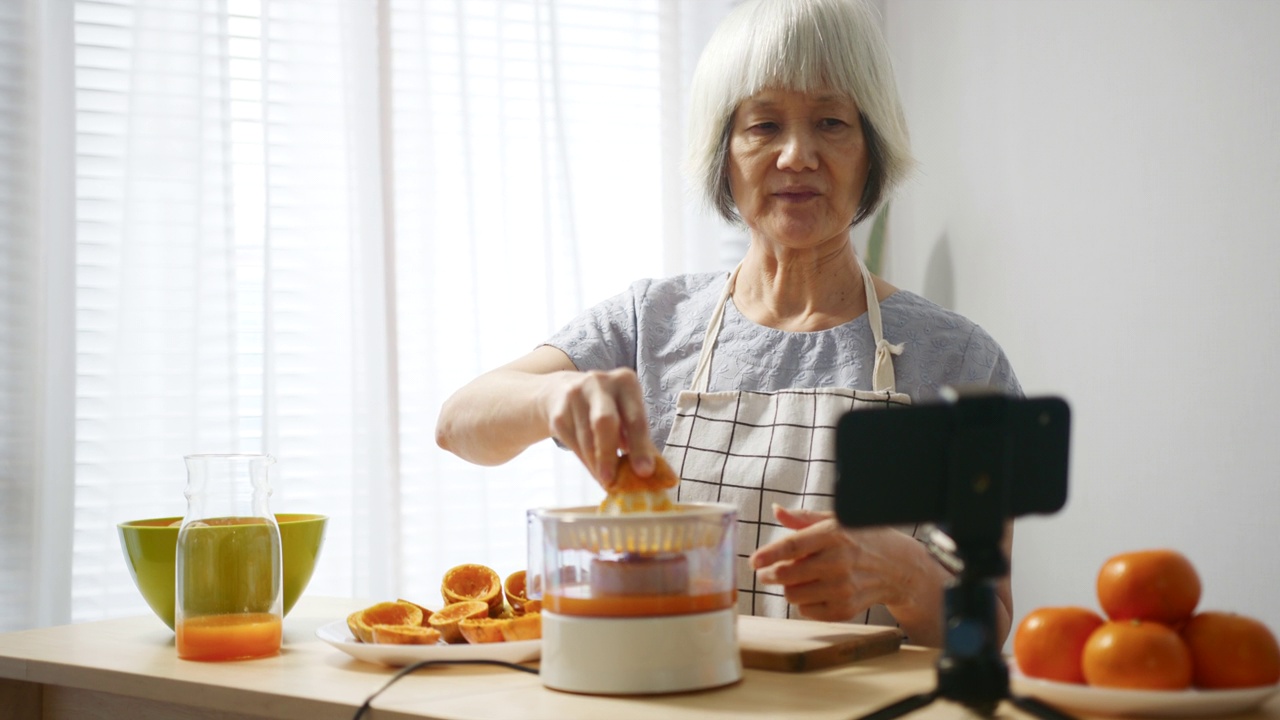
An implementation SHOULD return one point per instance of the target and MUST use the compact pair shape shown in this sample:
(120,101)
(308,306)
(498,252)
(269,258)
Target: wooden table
(128,668)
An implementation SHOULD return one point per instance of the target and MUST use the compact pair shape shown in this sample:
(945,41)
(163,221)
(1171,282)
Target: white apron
(753,449)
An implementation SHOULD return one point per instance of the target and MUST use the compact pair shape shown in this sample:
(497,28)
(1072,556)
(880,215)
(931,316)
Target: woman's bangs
(795,57)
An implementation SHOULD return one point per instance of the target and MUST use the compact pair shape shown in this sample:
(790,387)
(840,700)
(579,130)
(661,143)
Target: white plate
(337,635)
(1140,703)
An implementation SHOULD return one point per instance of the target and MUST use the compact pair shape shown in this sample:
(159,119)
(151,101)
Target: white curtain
(19,344)
(295,226)
(37,323)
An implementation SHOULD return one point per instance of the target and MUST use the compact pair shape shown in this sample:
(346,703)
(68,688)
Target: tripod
(971,670)
(965,457)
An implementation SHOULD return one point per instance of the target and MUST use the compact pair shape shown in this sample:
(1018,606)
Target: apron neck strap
(882,379)
(702,375)
(881,373)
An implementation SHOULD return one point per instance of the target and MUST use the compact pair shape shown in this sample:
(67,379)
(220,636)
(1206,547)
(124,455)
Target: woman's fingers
(830,607)
(599,413)
(812,555)
(635,429)
(825,572)
(818,590)
(799,518)
(806,541)
(603,423)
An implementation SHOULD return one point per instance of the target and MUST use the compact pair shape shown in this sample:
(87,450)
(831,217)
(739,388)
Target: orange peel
(515,591)
(447,619)
(426,612)
(631,492)
(482,630)
(473,582)
(523,627)
(392,613)
(405,635)
(361,622)
(358,628)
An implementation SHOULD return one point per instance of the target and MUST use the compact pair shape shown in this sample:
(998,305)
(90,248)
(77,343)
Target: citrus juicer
(637,603)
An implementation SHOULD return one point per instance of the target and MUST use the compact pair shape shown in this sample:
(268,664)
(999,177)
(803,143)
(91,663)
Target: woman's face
(797,165)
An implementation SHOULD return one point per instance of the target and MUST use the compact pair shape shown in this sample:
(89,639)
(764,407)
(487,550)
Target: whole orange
(1050,641)
(1159,585)
(1137,655)
(1231,651)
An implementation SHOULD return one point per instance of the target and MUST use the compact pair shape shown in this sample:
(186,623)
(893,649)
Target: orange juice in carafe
(229,637)
(229,599)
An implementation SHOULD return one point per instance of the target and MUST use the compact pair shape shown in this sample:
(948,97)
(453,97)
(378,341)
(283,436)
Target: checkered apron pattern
(753,449)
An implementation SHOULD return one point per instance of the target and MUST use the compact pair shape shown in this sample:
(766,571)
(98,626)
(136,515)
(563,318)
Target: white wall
(1099,187)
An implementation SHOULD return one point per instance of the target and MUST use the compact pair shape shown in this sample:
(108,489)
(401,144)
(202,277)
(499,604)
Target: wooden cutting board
(799,645)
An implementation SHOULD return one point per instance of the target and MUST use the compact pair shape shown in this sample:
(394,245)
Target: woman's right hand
(598,414)
(595,414)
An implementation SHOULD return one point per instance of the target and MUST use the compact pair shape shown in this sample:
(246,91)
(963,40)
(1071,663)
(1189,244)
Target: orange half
(482,630)
(361,630)
(447,619)
(392,613)
(405,635)
(361,622)
(515,591)
(426,612)
(523,627)
(633,493)
(473,582)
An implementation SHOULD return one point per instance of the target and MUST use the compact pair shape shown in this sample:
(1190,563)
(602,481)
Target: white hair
(802,45)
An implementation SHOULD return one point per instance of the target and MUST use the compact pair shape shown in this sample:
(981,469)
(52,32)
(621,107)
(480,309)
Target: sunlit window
(298,231)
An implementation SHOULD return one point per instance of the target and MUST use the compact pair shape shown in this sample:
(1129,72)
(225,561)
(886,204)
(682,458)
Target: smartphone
(967,463)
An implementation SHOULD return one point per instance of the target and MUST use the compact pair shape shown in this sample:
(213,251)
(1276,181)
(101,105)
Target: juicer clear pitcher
(229,570)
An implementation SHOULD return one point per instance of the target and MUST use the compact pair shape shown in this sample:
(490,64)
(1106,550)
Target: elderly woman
(737,379)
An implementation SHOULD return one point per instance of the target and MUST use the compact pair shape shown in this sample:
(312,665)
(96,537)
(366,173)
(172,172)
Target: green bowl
(150,546)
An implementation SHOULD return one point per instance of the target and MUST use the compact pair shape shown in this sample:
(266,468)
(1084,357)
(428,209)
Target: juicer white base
(640,656)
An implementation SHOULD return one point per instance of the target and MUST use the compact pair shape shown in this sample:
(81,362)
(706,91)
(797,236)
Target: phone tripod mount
(971,671)
(956,465)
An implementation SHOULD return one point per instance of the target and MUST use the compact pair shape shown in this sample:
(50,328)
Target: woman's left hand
(829,572)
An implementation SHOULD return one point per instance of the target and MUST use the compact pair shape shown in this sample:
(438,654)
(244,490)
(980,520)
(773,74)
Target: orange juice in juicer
(636,603)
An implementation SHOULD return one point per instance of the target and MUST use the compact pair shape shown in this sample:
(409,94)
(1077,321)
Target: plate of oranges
(1150,652)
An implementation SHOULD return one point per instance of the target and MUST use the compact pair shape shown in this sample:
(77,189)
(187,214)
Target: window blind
(214,267)
(302,224)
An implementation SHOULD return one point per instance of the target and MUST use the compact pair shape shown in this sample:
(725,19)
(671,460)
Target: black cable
(427,663)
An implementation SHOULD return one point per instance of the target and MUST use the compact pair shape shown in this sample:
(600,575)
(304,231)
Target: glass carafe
(228,602)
